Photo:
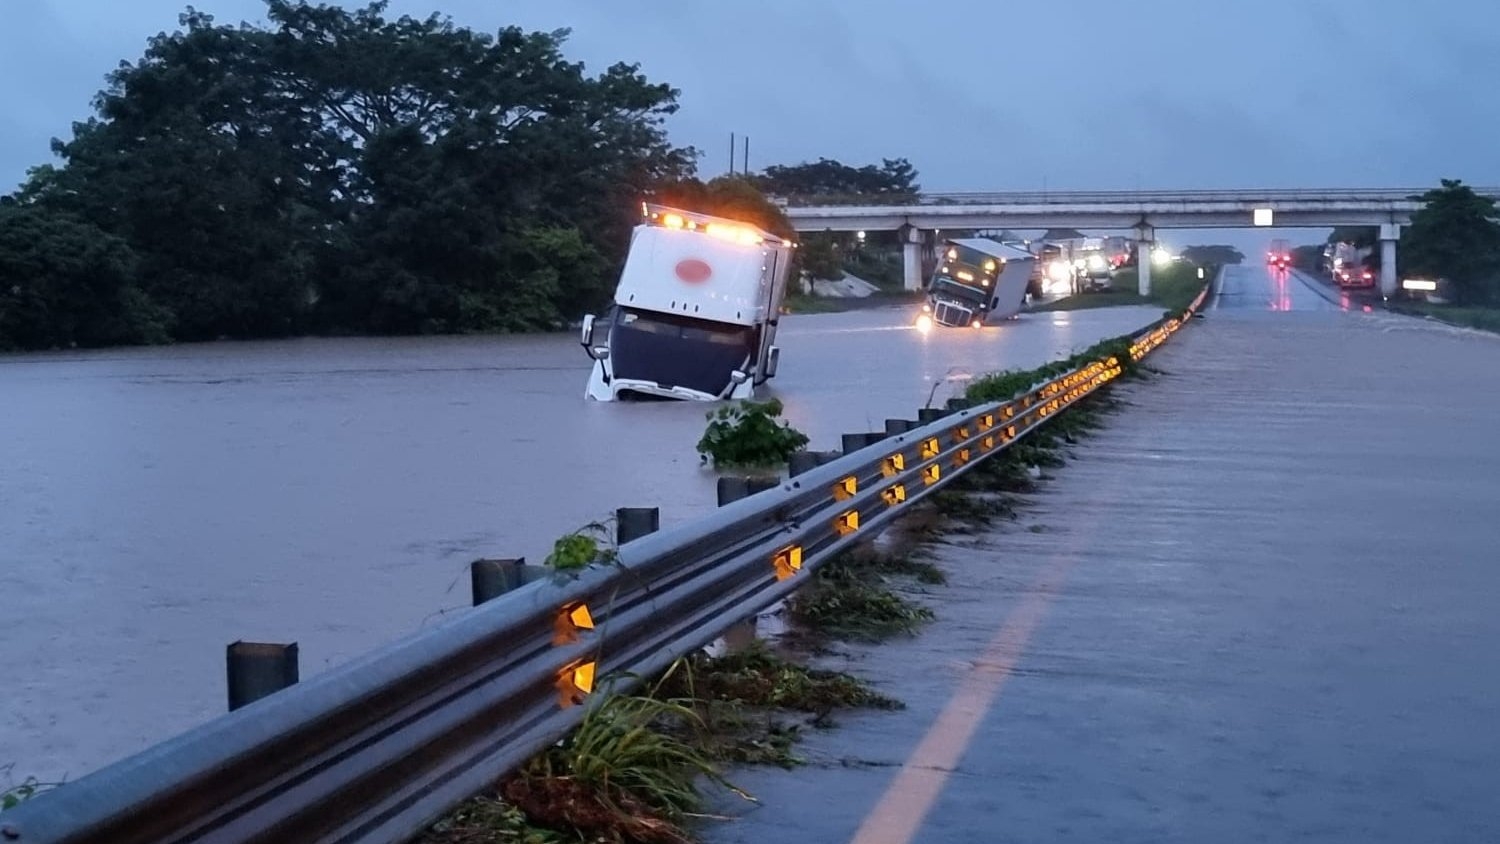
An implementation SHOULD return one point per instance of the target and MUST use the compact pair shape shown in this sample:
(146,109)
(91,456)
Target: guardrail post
(492,578)
(805,461)
(258,669)
(735,488)
(898,426)
(632,523)
(855,442)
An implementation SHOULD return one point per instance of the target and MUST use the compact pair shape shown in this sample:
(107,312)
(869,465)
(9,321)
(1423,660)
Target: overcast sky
(982,95)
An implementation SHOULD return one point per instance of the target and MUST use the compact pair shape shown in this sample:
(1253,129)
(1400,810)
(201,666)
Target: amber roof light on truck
(718,227)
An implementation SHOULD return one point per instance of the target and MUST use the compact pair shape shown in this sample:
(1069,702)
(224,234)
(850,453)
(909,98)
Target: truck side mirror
(773,359)
(587,335)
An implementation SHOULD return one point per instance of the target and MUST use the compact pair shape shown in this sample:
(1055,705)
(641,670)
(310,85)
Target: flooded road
(1259,605)
(158,504)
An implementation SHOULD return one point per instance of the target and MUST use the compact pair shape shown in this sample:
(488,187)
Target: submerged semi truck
(978,281)
(695,312)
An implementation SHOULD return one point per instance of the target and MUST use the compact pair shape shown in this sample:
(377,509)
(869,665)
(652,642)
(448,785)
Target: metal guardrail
(1123,197)
(376,750)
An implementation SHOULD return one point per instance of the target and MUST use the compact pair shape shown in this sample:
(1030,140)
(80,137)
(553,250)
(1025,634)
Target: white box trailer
(695,313)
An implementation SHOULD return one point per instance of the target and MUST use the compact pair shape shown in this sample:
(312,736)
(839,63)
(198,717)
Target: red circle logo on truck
(694,271)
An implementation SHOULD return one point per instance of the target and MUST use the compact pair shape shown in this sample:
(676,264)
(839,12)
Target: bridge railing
(1269,196)
(377,749)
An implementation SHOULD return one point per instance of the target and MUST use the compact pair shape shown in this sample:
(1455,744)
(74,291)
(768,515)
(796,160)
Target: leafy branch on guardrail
(26,789)
(749,434)
(581,548)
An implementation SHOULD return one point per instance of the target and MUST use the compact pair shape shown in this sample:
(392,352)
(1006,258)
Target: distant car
(1354,275)
(1094,271)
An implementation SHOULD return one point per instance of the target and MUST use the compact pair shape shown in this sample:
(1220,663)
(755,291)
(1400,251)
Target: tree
(895,177)
(343,171)
(1216,255)
(731,197)
(65,283)
(1456,235)
(820,258)
(1361,237)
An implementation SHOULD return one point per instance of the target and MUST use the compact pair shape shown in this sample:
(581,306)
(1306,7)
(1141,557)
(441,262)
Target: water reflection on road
(157,504)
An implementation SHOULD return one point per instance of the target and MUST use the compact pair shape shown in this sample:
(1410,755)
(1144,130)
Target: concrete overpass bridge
(1140,211)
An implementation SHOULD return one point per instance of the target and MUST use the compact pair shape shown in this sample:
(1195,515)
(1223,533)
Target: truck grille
(947,313)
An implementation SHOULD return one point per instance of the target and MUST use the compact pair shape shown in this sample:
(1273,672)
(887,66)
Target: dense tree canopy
(339,171)
(826,177)
(1217,254)
(1456,236)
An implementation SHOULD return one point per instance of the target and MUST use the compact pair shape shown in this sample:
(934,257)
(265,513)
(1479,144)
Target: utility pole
(731,153)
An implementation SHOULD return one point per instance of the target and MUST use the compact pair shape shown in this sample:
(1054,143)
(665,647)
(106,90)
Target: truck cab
(978,281)
(695,313)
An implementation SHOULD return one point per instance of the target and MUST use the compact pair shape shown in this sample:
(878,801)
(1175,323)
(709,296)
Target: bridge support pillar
(911,258)
(1389,234)
(1145,245)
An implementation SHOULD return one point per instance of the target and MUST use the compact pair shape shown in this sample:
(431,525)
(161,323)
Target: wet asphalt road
(1258,606)
(158,504)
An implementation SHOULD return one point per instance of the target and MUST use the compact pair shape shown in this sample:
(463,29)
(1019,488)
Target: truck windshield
(678,351)
(959,290)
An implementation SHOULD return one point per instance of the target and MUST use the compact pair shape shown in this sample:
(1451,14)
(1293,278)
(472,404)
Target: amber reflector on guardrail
(571,619)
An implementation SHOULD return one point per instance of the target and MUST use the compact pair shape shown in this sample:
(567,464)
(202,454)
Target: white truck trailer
(695,313)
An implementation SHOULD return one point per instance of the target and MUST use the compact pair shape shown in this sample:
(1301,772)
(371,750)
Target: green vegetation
(749,434)
(809,304)
(1485,319)
(631,772)
(581,548)
(894,179)
(1216,254)
(348,171)
(758,678)
(26,789)
(1172,287)
(1007,384)
(1455,236)
(850,598)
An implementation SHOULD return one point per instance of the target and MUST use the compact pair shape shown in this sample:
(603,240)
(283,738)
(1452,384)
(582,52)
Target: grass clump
(749,434)
(626,775)
(849,599)
(620,777)
(756,677)
(630,773)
